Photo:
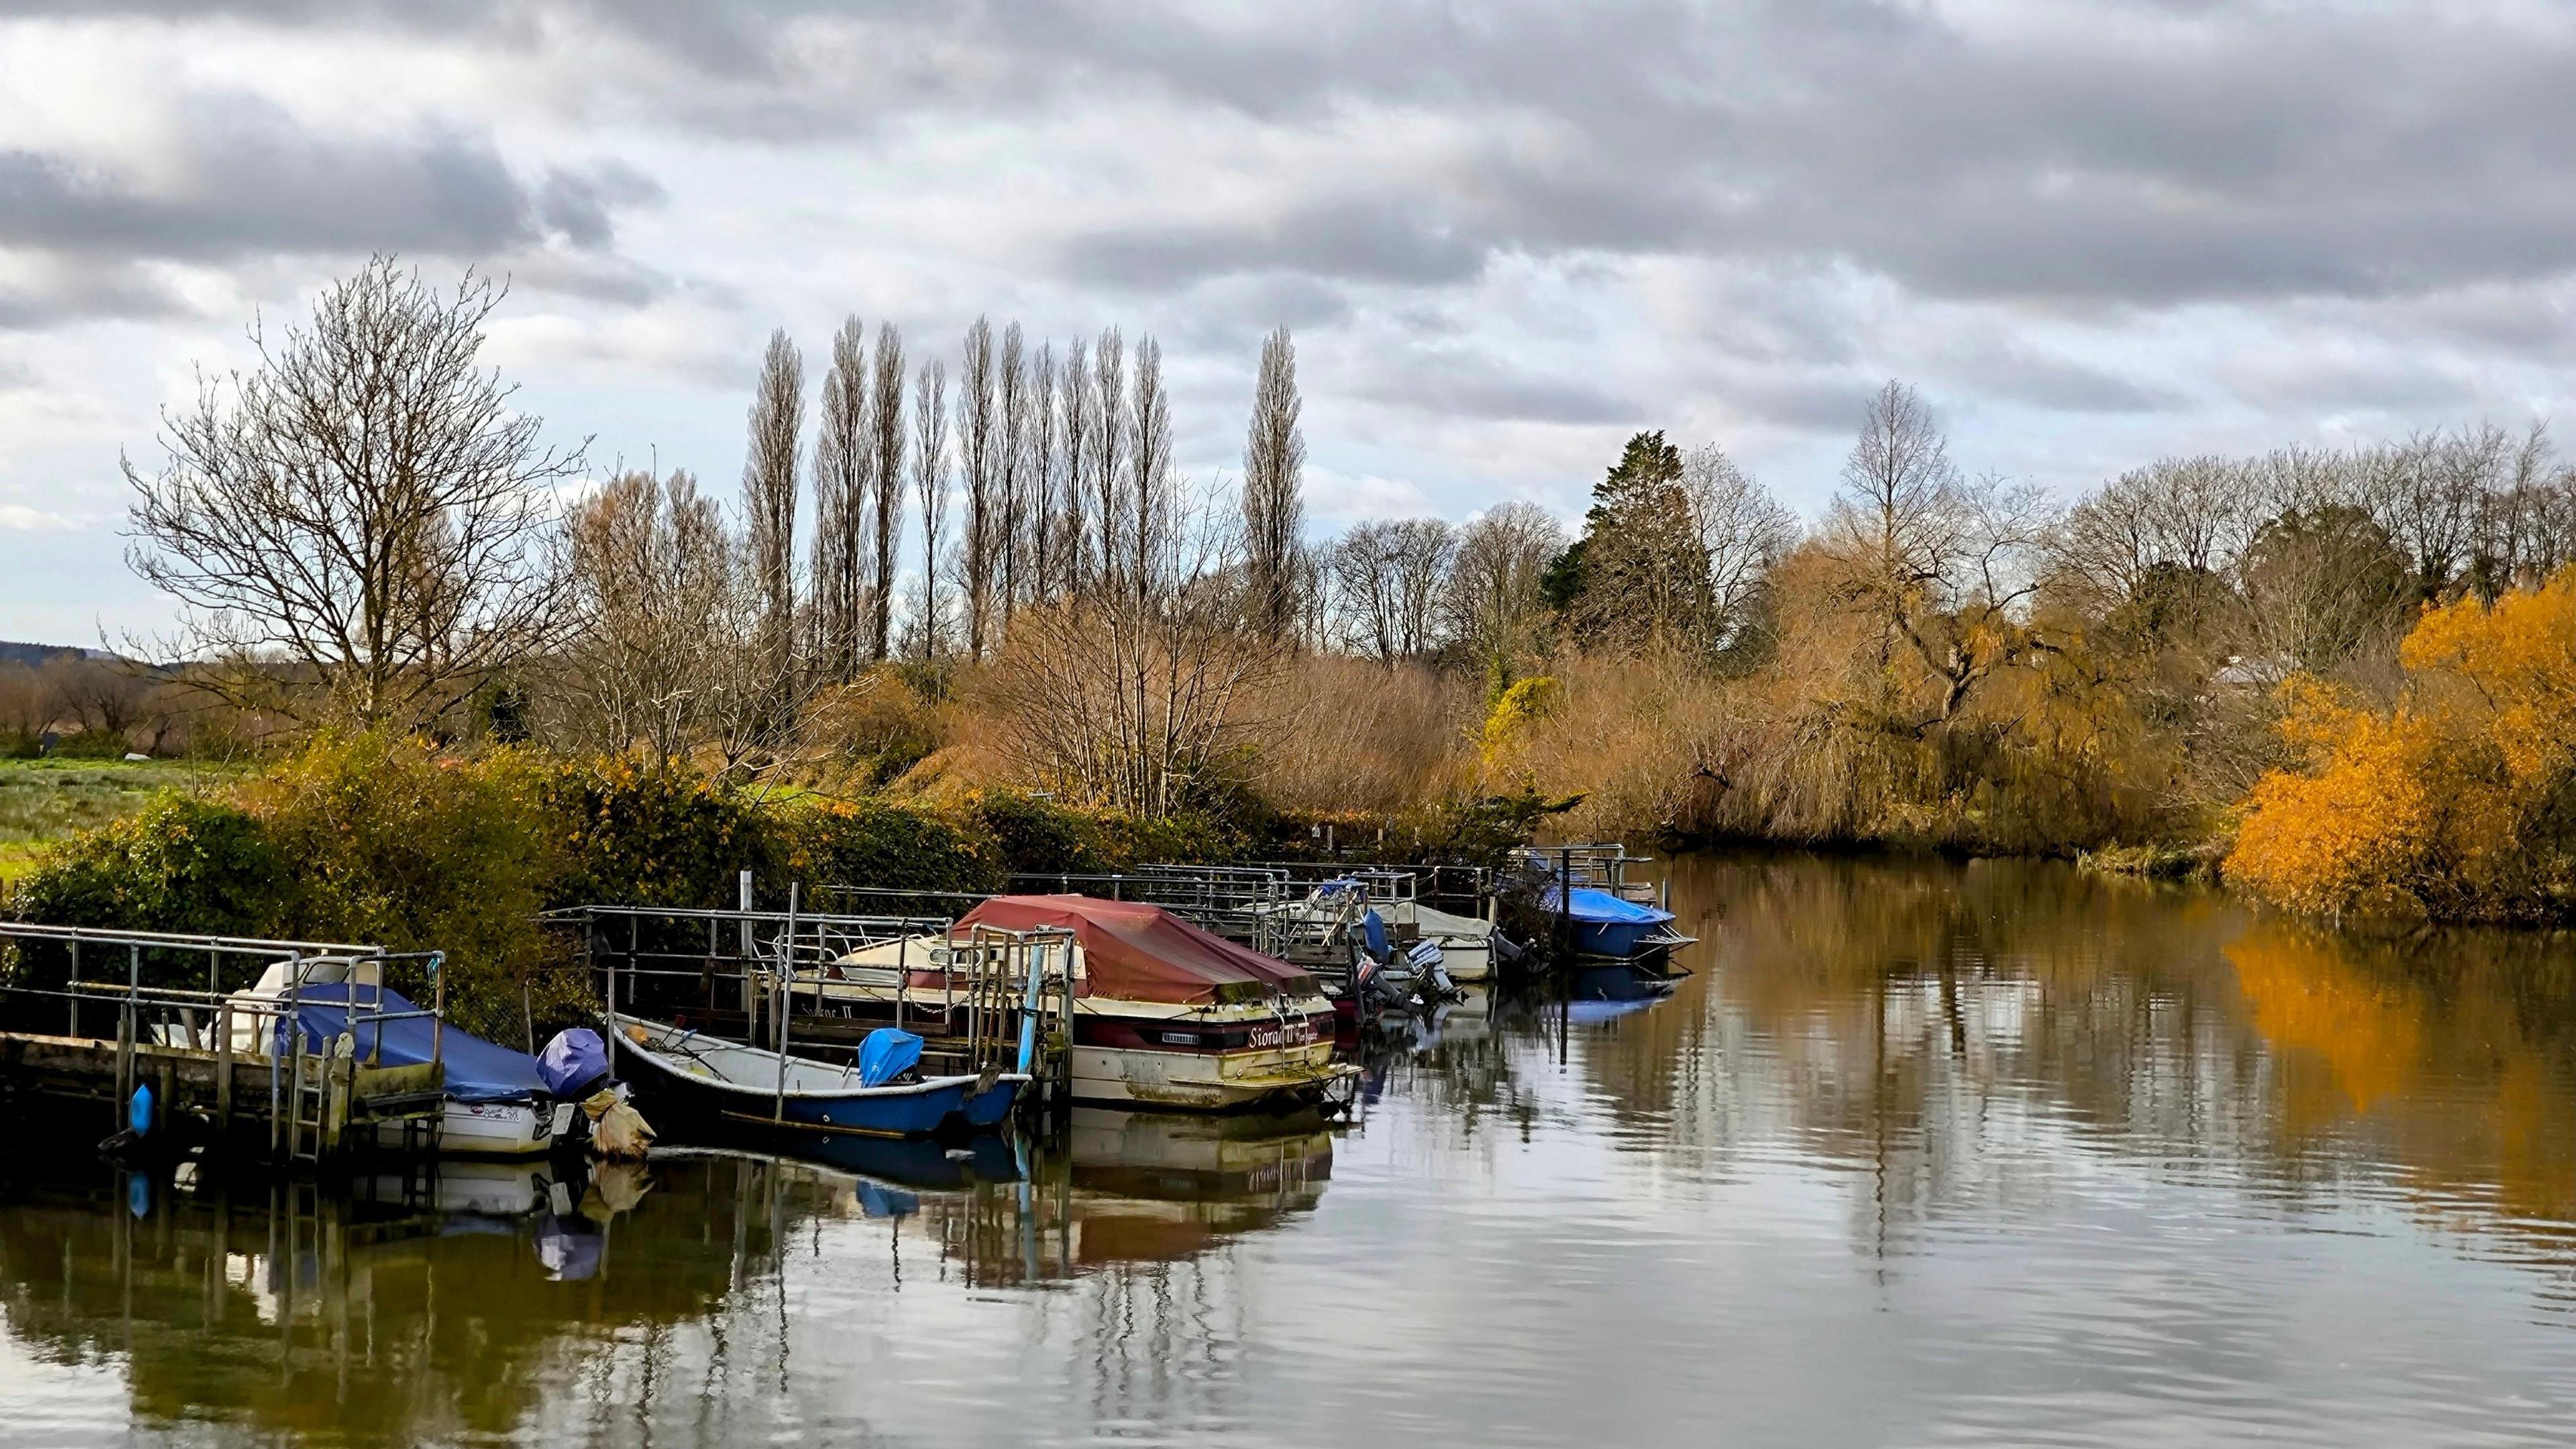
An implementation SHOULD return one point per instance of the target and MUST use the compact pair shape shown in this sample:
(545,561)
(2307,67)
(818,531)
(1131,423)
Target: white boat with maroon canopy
(1165,1013)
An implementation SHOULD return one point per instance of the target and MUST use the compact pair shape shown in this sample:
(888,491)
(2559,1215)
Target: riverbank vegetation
(981,604)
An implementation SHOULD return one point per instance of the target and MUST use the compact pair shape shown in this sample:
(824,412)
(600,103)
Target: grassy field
(45,800)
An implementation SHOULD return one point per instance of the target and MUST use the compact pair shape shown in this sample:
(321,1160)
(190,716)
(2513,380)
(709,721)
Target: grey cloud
(579,203)
(2175,152)
(2060,384)
(1804,402)
(2393,385)
(91,291)
(2171,151)
(252,183)
(1464,384)
(1351,240)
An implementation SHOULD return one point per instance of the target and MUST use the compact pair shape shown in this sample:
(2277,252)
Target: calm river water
(1924,1153)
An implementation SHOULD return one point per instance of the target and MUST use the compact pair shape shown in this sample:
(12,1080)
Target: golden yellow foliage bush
(2460,802)
(1518,708)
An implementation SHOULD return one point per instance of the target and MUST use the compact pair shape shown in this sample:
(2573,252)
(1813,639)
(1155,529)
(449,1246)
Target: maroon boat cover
(1145,953)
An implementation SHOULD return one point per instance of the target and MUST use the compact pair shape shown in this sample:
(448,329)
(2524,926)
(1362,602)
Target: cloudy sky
(1506,235)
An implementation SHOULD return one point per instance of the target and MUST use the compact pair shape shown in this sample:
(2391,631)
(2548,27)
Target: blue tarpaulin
(477,1070)
(1602,908)
(886,1054)
(574,1060)
(1373,926)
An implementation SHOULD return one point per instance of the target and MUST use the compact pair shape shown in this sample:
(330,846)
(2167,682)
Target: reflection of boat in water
(1605,993)
(1149,1187)
(713,1080)
(921,1164)
(468,1187)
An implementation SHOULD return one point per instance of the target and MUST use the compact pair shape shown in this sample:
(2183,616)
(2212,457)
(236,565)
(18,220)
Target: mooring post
(438,1015)
(1565,904)
(127,1029)
(786,966)
(743,899)
(224,1069)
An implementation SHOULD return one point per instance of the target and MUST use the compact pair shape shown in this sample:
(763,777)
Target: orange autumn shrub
(2459,803)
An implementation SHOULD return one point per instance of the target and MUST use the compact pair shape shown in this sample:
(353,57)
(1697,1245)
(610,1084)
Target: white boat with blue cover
(683,1073)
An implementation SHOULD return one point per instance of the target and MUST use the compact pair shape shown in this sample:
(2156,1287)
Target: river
(1922,1153)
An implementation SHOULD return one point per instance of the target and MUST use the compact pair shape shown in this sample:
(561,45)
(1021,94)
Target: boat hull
(922,1109)
(1139,1077)
(1618,940)
(493,1129)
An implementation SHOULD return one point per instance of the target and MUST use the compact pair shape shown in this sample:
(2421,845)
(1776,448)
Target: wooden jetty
(90,1043)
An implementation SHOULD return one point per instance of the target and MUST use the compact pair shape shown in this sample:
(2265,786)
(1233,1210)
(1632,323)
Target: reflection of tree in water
(1927,1020)
(420,1310)
(376,1319)
(2452,1053)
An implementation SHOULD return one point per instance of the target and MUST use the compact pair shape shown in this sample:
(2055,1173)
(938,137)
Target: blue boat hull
(1617,939)
(912,1114)
(987,1108)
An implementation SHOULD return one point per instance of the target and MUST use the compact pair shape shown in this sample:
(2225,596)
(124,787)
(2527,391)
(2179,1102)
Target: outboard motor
(1430,973)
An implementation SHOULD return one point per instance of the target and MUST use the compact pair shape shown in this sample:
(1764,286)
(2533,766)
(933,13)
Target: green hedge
(382,839)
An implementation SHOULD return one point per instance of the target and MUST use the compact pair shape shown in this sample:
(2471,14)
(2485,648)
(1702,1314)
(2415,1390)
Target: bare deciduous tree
(1011,528)
(844,461)
(769,495)
(1150,536)
(1081,454)
(359,521)
(979,458)
(1044,485)
(1132,702)
(930,489)
(1742,531)
(669,612)
(886,413)
(1109,459)
(1274,504)
(1494,607)
(1934,559)
(1390,579)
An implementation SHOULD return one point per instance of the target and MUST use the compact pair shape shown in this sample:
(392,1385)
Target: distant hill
(37,654)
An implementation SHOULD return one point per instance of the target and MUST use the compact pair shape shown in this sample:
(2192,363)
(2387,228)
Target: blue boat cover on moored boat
(1602,908)
(477,1070)
(1374,927)
(574,1060)
(887,1053)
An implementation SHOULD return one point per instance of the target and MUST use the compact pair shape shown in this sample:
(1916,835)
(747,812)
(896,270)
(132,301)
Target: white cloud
(19,518)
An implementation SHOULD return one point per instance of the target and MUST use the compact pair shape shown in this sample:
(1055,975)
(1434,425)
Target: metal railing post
(787,967)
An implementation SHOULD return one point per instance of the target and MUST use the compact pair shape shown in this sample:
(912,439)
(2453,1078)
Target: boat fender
(138,1112)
